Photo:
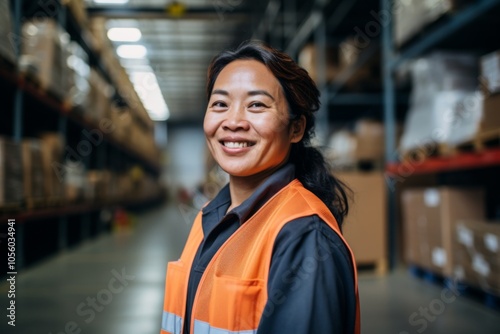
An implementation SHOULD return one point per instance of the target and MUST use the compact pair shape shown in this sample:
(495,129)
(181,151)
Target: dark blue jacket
(311,283)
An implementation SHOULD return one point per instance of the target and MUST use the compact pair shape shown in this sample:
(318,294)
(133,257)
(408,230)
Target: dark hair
(302,96)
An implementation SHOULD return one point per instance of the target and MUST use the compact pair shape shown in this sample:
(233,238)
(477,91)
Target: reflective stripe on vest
(171,323)
(201,327)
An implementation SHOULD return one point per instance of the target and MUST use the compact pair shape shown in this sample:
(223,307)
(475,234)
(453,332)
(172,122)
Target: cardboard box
(490,73)
(100,94)
(32,169)
(53,168)
(6,47)
(477,248)
(490,120)
(44,54)
(370,140)
(365,227)
(412,16)
(430,217)
(11,173)
(308,60)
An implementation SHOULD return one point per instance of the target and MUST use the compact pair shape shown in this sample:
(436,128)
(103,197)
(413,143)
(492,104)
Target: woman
(266,254)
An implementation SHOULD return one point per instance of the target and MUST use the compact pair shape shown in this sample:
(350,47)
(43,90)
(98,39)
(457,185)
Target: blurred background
(103,162)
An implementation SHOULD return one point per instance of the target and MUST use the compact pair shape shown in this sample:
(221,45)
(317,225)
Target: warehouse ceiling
(179,38)
(180,41)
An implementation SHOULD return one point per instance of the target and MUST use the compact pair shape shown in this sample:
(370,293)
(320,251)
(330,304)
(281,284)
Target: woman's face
(246,123)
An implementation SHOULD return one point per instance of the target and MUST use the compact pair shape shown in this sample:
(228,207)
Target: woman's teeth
(235,144)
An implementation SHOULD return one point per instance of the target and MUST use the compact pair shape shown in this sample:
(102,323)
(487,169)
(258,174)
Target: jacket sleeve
(311,284)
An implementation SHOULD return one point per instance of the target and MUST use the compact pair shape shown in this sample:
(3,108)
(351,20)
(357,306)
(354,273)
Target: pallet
(12,207)
(481,141)
(490,299)
(424,152)
(35,203)
(54,202)
(359,166)
(378,267)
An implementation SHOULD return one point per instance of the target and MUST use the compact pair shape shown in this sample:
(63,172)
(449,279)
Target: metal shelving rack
(315,25)
(25,90)
(392,60)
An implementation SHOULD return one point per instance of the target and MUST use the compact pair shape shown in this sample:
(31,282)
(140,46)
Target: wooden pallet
(481,141)
(12,207)
(54,202)
(378,267)
(359,166)
(487,297)
(35,203)
(424,152)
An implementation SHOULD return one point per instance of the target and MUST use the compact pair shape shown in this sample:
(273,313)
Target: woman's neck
(242,187)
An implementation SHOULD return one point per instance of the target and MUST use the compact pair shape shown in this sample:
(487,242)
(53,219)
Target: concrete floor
(114,284)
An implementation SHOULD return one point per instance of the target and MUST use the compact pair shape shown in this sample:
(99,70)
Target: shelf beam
(461,19)
(463,161)
(363,99)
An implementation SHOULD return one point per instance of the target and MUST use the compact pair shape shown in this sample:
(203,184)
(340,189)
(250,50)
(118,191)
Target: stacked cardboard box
(430,217)
(477,249)
(490,72)
(364,144)
(100,95)
(308,59)
(490,82)
(11,173)
(77,8)
(121,120)
(32,171)
(77,89)
(74,181)
(44,54)
(365,227)
(6,33)
(52,145)
(411,16)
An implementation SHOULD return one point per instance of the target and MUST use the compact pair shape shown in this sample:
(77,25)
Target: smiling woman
(267,254)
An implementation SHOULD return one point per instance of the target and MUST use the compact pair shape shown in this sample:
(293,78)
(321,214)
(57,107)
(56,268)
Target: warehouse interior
(104,163)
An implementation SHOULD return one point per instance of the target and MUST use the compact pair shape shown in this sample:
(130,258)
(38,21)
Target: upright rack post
(322,116)
(17,125)
(390,126)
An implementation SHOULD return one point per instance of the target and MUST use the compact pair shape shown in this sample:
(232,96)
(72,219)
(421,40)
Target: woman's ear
(297,129)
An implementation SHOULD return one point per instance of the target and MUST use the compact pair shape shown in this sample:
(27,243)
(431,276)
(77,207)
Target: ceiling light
(110,2)
(124,34)
(146,86)
(132,51)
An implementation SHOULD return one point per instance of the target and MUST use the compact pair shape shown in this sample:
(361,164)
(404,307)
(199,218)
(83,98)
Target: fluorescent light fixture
(111,2)
(146,85)
(134,51)
(124,34)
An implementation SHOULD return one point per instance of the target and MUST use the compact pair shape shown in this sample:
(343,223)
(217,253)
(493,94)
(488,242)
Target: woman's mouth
(237,144)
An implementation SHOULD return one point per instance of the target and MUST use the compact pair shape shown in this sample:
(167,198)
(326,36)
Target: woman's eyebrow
(220,92)
(260,92)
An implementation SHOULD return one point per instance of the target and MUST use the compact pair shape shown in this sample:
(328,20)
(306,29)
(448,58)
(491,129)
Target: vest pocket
(238,303)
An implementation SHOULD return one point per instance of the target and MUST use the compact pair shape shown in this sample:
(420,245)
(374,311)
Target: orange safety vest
(232,293)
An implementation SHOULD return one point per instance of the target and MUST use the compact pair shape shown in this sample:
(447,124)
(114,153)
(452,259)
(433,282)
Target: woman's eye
(219,104)
(257,105)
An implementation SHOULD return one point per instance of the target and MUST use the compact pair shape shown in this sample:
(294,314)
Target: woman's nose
(236,119)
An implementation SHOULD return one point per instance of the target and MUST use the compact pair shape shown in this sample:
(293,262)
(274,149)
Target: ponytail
(313,172)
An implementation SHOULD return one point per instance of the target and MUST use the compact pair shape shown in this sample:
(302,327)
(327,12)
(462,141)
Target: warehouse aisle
(114,284)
